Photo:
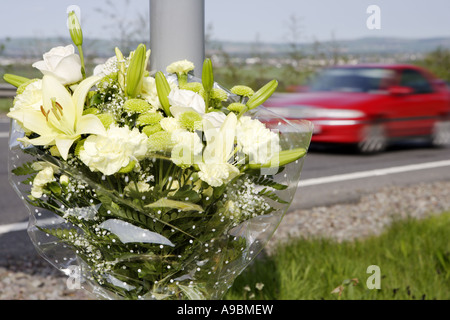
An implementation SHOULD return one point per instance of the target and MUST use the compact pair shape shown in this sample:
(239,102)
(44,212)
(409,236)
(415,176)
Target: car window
(369,80)
(415,80)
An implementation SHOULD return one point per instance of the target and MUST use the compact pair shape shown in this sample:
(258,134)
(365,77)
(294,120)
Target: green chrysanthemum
(152,129)
(243,91)
(192,86)
(107,119)
(136,106)
(236,107)
(160,141)
(190,120)
(219,94)
(149,118)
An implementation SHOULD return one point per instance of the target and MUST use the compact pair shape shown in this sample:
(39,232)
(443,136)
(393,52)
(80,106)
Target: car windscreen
(371,80)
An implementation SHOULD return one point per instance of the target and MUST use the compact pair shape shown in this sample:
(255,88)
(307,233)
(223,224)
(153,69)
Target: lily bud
(262,95)
(283,158)
(136,71)
(75,29)
(163,89)
(14,80)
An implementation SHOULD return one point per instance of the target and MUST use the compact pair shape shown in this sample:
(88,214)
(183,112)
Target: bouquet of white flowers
(158,186)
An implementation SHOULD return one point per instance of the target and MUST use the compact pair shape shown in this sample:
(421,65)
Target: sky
(242,20)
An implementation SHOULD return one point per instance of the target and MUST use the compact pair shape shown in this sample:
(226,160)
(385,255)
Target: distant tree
(127,28)
(437,62)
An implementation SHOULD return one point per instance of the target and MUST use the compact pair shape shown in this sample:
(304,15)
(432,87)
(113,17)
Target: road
(329,176)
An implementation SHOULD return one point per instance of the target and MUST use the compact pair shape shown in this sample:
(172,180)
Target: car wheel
(373,139)
(440,136)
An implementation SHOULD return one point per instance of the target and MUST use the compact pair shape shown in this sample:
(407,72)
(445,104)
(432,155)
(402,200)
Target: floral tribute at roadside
(149,186)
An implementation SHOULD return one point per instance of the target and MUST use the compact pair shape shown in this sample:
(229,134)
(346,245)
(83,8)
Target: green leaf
(172,204)
(24,170)
(163,88)
(262,95)
(265,181)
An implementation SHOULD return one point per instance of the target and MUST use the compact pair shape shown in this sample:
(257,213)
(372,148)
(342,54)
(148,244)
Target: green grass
(413,257)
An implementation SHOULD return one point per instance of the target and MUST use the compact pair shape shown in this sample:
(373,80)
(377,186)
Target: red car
(371,105)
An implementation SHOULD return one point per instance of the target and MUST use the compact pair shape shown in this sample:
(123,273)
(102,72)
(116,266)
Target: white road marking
(4,135)
(309,182)
(21,226)
(13,227)
(374,173)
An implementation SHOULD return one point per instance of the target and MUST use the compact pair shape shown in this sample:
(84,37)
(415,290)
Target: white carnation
(180,67)
(256,141)
(170,124)
(42,178)
(108,154)
(217,174)
(140,186)
(30,99)
(188,146)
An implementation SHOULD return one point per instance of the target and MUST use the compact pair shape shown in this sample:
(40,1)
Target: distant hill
(372,45)
(32,47)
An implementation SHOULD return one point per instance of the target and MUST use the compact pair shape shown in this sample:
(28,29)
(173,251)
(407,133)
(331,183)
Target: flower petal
(90,124)
(79,96)
(64,143)
(53,89)
(32,121)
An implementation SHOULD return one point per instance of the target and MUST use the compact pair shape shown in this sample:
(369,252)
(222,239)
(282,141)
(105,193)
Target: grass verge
(413,257)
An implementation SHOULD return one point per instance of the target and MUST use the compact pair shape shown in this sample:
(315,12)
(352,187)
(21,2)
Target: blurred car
(371,105)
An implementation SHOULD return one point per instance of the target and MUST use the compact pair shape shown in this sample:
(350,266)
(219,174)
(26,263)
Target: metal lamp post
(177,32)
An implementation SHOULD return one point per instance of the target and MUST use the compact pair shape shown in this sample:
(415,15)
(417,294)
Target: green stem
(83,67)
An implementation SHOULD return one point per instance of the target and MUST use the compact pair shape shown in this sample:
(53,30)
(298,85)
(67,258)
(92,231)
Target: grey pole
(177,32)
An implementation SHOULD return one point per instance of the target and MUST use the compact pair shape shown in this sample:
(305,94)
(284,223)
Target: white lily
(60,120)
(216,168)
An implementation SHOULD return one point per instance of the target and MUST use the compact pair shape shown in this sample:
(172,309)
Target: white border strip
(373,173)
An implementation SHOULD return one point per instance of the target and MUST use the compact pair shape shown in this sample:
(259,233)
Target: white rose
(30,99)
(215,118)
(185,100)
(108,154)
(62,63)
(258,142)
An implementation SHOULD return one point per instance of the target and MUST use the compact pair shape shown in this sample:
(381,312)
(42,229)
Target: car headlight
(307,112)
